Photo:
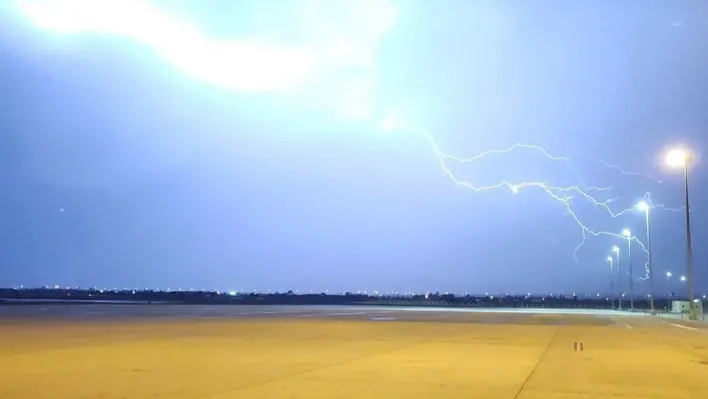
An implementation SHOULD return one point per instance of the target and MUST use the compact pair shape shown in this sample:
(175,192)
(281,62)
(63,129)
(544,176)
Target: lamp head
(677,158)
(609,259)
(643,206)
(668,274)
(627,233)
(615,249)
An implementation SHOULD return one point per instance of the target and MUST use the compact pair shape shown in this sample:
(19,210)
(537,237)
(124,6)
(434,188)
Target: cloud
(332,66)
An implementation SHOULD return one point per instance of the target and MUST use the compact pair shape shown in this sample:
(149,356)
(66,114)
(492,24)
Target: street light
(668,287)
(683,278)
(627,233)
(612,283)
(616,251)
(678,158)
(645,207)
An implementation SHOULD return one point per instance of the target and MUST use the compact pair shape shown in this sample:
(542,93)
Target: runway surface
(214,352)
(400,313)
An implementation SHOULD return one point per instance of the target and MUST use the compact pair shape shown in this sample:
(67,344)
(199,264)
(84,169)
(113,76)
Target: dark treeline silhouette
(78,296)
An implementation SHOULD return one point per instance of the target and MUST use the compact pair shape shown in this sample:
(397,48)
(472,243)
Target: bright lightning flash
(333,40)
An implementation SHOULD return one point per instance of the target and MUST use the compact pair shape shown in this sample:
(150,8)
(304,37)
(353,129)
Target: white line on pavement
(682,326)
(345,314)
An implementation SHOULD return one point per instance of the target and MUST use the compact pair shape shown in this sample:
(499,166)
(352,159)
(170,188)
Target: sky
(299,145)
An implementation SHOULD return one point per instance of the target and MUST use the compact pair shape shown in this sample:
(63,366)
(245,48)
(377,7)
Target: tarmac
(219,352)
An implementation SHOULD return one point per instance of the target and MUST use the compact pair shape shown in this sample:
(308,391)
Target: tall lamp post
(612,283)
(627,233)
(679,159)
(668,285)
(645,207)
(616,251)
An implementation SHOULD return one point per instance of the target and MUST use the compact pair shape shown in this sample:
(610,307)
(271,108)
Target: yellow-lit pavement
(632,357)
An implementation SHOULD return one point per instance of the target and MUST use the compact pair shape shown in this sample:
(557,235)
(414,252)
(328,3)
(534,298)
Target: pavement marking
(628,326)
(682,326)
(383,318)
(345,314)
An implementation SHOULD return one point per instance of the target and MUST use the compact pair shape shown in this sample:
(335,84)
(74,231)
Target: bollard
(575,347)
(581,347)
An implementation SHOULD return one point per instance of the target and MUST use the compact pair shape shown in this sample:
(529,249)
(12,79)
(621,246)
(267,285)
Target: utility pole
(693,309)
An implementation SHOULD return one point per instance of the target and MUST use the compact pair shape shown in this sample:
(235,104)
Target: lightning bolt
(564,195)
(624,171)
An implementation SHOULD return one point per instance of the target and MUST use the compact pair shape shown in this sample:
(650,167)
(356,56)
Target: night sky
(140,154)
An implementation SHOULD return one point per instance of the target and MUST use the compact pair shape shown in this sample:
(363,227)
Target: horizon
(600,295)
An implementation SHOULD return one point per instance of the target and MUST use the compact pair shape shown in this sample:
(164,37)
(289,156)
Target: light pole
(627,233)
(679,159)
(668,287)
(616,251)
(645,207)
(612,283)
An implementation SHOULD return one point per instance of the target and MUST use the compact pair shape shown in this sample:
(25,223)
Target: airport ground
(215,352)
